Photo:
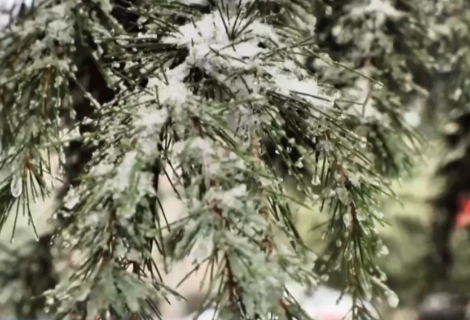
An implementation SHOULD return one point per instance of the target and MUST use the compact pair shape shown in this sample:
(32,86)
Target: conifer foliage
(131,92)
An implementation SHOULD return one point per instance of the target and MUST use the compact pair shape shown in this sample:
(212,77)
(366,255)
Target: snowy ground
(320,305)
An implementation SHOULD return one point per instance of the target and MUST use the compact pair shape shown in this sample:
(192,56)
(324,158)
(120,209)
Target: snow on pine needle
(223,46)
(197,92)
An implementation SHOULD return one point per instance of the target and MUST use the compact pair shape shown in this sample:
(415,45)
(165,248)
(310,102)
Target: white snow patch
(380,7)
(210,47)
(195,2)
(13,6)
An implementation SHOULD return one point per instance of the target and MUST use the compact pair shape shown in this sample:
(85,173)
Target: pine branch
(200,89)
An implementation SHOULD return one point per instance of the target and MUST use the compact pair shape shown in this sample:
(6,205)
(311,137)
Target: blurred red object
(463,217)
(333,315)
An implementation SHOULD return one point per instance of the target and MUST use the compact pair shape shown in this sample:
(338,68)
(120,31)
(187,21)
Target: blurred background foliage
(407,235)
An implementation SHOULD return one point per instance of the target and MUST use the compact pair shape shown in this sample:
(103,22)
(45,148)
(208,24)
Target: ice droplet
(384,251)
(315,180)
(16,186)
(378,85)
(392,299)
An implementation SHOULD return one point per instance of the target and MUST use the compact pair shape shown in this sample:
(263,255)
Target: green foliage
(196,90)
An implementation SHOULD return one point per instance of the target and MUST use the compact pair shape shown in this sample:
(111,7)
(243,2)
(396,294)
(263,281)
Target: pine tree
(415,48)
(449,101)
(212,93)
(451,21)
